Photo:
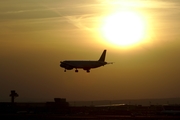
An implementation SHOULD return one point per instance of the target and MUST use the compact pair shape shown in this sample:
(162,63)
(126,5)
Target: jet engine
(67,67)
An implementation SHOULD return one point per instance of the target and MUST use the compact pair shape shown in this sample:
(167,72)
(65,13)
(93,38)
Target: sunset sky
(35,35)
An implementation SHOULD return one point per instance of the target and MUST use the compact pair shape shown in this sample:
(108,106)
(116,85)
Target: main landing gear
(76,70)
(88,71)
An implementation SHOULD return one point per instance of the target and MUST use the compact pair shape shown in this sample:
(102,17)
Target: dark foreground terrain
(60,110)
(83,117)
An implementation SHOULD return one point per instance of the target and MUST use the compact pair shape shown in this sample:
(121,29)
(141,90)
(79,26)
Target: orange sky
(37,34)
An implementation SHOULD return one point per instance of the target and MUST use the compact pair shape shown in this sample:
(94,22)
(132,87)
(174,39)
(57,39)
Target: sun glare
(124,28)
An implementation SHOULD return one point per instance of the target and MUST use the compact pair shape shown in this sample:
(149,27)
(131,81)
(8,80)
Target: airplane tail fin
(102,58)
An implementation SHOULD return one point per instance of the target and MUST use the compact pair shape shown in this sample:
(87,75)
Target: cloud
(142,3)
(84,15)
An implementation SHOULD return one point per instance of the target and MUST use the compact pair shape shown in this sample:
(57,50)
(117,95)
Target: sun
(124,28)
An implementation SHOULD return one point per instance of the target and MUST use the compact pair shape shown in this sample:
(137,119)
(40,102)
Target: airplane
(85,65)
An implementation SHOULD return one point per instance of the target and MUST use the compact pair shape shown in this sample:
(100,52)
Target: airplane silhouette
(82,64)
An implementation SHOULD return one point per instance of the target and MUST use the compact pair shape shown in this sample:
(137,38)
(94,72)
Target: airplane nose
(62,65)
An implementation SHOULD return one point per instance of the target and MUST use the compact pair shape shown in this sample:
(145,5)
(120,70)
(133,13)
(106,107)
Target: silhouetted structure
(13,95)
(58,106)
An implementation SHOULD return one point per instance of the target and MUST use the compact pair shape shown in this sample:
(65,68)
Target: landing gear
(65,70)
(87,71)
(76,70)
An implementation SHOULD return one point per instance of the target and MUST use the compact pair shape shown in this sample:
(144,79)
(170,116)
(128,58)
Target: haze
(36,35)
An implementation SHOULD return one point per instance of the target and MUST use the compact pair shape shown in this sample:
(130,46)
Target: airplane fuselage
(86,65)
